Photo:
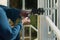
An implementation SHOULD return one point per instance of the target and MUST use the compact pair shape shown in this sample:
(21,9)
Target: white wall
(3,2)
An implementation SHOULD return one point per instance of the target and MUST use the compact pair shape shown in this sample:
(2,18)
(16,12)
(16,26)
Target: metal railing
(53,27)
(30,27)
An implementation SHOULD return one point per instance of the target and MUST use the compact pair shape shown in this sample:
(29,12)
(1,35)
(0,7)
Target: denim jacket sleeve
(11,13)
(5,29)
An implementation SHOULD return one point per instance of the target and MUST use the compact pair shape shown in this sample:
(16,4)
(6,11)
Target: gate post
(41,23)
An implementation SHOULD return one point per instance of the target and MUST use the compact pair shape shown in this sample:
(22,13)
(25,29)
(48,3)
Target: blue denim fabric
(6,32)
(11,13)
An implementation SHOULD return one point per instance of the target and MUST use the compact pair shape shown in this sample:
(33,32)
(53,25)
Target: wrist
(22,22)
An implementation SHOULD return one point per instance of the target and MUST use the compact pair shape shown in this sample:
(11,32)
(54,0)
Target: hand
(26,20)
(24,13)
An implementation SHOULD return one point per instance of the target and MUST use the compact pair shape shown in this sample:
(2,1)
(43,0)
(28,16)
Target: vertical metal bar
(30,33)
(53,1)
(57,14)
(48,7)
(22,33)
(23,7)
(45,6)
(40,2)
(52,17)
(48,25)
(23,4)
(48,13)
(38,27)
(38,20)
(54,10)
(8,3)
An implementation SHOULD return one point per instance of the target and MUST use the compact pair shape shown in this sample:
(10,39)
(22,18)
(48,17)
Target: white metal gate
(51,10)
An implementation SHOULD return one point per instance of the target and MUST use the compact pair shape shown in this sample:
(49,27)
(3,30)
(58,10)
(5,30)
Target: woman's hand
(25,13)
(25,20)
(25,16)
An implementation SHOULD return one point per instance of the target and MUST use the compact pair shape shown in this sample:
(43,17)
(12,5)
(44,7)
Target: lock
(38,11)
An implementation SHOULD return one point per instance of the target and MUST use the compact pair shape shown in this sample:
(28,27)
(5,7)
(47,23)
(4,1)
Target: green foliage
(33,20)
(34,23)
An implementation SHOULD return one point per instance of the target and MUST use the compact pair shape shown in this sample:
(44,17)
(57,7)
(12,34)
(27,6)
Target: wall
(3,2)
